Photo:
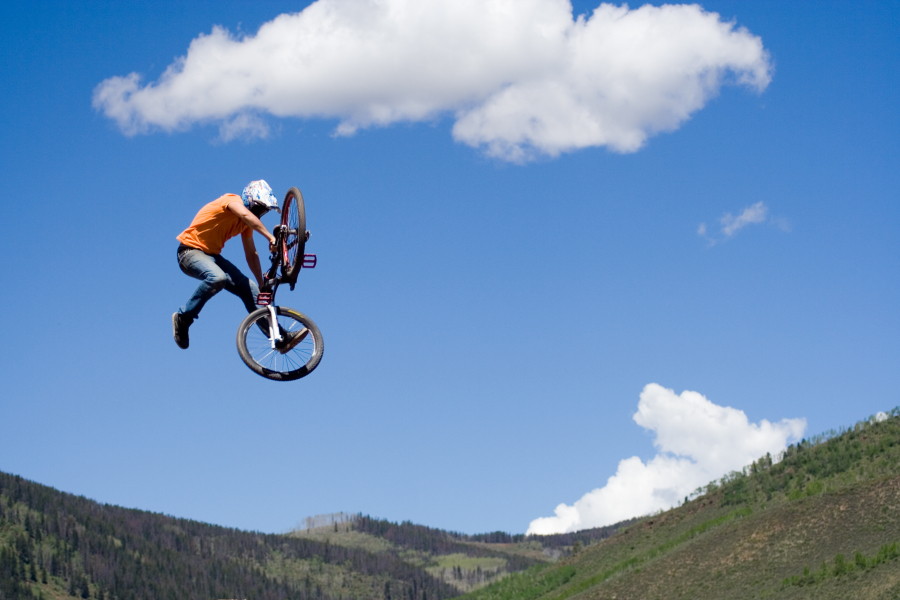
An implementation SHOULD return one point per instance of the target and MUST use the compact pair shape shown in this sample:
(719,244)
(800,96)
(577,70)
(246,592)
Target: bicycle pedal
(263,298)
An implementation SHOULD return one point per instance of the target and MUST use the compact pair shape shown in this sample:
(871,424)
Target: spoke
(294,365)
(262,353)
(265,356)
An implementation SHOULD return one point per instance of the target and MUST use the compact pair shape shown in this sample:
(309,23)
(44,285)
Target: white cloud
(243,125)
(730,224)
(521,77)
(697,442)
(753,214)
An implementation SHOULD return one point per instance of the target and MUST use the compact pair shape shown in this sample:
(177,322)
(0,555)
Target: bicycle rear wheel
(293,220)
(273,363)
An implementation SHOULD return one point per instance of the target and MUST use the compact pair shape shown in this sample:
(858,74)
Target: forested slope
(822,523)
(466,562)
(57,545)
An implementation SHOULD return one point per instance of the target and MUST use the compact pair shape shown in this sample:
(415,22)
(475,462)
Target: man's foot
(291,339)
(180,331)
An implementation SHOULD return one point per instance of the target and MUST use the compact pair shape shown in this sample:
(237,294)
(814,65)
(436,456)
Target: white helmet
(258,193)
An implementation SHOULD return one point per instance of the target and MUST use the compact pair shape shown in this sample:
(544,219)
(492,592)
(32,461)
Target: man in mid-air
(199,255)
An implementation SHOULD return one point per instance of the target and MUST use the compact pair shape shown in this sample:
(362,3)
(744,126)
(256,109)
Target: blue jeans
(215,273)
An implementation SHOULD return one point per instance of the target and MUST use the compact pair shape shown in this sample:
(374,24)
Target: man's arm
(250,220)
(252,256)
(254,224)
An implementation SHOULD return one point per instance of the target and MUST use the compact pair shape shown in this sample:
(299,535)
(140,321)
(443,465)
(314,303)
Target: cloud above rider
(520,80)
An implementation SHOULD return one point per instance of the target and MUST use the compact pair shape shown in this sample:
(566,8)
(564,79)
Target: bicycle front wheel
(279,364)
(293,219)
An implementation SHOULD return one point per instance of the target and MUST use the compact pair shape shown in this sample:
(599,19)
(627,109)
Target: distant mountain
(822,523)
(466,562)
(57,545)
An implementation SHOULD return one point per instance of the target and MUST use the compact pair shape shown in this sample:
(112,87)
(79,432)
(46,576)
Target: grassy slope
(462,571)
(465,562)
(344,535)
(823,523)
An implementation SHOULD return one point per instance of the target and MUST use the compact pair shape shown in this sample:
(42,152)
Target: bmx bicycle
(277,342)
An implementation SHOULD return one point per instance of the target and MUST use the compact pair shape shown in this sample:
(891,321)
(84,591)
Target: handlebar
(270,277)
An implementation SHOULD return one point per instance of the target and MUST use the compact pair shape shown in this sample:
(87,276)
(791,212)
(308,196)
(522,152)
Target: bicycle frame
(271,281)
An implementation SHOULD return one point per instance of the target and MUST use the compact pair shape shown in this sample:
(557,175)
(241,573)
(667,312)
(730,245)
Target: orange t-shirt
(213,226)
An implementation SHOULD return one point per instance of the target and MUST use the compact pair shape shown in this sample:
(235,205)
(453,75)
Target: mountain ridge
(822,522)
(58,545)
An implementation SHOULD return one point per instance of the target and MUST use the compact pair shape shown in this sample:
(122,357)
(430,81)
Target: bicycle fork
(265,299)
(274,329)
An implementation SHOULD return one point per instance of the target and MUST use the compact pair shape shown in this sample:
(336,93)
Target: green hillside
(822,523)
(56,545)
(465,562)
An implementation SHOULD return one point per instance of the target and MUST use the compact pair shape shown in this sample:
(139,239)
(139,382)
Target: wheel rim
(291,243)
(261,352)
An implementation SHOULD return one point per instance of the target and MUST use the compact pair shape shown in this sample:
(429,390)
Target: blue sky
(489,325)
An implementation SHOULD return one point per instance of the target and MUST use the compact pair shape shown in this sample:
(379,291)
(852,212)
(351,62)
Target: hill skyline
(328,520)
(823,518)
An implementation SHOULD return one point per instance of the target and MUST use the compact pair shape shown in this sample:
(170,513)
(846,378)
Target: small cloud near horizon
(521,80)
(697,442)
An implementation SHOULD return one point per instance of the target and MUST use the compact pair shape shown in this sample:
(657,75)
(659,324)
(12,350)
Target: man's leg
(202,266)
(198,265)
(238,284)
(243,287)
(246,289)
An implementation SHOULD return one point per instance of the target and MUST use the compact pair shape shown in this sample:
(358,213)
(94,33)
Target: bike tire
(256,351)
(293,220)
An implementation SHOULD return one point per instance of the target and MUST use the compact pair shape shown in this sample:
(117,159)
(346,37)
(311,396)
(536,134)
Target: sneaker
(180,331)
(291,339)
